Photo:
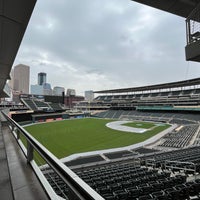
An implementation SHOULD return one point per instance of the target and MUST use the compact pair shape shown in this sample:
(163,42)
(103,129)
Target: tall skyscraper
(21,78)
(42,78)
(42,88)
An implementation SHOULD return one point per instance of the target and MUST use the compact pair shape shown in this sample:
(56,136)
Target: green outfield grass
(67,137)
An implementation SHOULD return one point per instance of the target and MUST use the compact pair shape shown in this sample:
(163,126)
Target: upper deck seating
(30,104)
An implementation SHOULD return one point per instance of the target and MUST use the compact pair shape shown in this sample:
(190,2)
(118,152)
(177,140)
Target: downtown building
(20,81)
(42,88)
(58,91)
(89,95)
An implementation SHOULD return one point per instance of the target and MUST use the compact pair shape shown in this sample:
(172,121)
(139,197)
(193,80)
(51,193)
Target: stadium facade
(181,95)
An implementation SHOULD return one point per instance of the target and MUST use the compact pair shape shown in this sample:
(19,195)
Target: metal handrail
(188,23)
(82,190)
(169,163)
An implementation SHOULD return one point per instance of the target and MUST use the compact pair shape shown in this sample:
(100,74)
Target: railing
(78,188)
(178,165)
(193,25)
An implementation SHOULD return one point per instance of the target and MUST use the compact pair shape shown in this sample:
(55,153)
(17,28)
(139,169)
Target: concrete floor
(17,181)
(5,184)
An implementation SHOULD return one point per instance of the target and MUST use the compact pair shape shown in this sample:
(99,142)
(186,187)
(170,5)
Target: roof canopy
(14,18)
(178,84)
(178,7)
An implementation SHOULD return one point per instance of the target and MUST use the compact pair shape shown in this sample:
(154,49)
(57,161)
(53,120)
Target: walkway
(17,181)
(5,183)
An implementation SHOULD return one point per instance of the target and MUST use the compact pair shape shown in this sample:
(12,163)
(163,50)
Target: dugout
(21,115)
(47,117)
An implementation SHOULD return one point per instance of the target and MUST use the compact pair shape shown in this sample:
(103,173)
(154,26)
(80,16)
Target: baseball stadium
(137,143)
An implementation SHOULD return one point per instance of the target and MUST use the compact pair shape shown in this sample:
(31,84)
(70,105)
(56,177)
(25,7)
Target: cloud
(101,44)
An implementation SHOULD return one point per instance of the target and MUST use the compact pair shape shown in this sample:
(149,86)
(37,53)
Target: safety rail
(179,165)
(150,163)
(193,25)
(192,50)
(79,190)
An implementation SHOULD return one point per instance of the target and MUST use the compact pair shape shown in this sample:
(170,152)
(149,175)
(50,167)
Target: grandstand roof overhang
(14,18)
(178,84)
(178,7)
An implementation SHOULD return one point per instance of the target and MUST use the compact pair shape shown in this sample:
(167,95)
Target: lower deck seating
(171,117)
(57,184)
(126,181)
(181,138)
(189,155)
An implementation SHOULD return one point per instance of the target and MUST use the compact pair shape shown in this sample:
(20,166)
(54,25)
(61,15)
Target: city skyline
(20,84)
(42,79)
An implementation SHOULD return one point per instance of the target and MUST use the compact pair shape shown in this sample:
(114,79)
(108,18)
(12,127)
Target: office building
(21,78)
(58,91)
(37,89)
(42,78)
(47,89)
(71,92)
(89,95)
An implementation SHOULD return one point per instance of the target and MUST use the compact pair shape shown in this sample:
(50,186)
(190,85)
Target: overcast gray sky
(104,44)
